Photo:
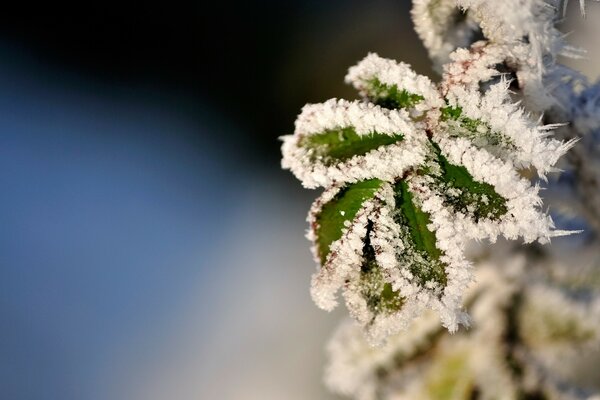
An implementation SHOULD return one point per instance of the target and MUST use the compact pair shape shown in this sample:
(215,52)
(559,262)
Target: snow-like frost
(523,218)
(439,28)
(527,141)
(504,110)
(502,303)
(523,142)
(385,162)
(345,256)
(358,369)
(392,73)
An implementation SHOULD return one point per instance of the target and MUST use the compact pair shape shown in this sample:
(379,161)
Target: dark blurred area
(150,245)
(257,63)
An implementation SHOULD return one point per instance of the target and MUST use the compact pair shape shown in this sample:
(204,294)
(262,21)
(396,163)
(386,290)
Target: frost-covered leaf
(443,26)
(373,241)
(393,85)
(410,180)
(423,362)
(332,223)
(493,122)
(338,220)
(415,170)
(390,96)
(378,294)
(335,145)
(425,264)
(334,216)
(320,153)
(464,194)
(522,217)
(474,129)
(356,368)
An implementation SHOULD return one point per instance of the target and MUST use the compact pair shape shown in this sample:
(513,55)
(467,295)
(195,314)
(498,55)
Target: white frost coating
(385,237)
(344,258)
(509,21)
(516,322)
(386,162)
(343,268)
(407,364)
(528,142)
(439,28)
(325,197)
(390,72)
(410,363)
(458,269)
(388,244)
(378,327)
(523,218)
(560,333)
(522,31)
(353,362)
(365,118)
(523,22)
(469,67)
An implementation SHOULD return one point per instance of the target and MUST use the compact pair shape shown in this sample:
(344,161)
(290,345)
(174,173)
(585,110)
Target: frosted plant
(416,171)
(527,339)
(412,172)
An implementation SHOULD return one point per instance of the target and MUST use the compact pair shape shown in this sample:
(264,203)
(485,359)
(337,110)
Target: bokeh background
(150,245)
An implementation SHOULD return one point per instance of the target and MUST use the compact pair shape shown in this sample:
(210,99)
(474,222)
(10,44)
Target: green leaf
(450,112)
(463,193)
(343,207)
(333,146)
(377,292)
(474,129)
(425,262)
(390,96)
